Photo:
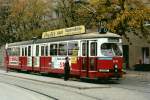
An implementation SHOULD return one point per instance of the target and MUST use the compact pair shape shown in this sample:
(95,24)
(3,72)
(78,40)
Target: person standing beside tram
(66,69)
(74,53)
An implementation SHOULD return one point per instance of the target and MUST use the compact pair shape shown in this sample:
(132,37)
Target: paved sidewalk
(104,92)
(56,81)
(138,74)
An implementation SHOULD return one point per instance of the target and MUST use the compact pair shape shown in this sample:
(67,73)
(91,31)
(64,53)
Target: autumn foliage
(24,19)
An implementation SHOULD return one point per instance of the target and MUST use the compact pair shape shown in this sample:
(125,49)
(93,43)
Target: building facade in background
(136,50)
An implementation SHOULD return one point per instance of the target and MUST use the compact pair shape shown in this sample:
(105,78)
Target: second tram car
(91,55)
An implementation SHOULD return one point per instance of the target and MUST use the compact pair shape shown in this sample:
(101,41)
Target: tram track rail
(40,93)
(76,91)
(45,94)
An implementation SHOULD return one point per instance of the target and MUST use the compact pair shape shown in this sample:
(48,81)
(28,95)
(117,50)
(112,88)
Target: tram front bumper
(109,73)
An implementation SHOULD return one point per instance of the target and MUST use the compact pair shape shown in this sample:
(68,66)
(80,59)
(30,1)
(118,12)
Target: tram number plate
(103,70)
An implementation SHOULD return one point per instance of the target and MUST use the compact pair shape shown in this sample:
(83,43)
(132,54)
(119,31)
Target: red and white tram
(91,55)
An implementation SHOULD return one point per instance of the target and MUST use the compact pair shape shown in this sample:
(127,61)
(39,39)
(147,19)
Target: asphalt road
(131,87)
(139,81)
(9,91)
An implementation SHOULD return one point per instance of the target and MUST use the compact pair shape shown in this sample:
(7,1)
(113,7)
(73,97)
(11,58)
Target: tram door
(44,58)
(92,59)
(84,59)
(88,57)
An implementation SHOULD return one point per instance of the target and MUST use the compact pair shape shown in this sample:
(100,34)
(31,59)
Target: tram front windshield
(111,49)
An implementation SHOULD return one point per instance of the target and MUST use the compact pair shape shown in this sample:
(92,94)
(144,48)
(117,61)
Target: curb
(72,84)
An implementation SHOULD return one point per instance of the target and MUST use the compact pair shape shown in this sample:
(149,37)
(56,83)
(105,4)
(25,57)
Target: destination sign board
(63,32)
(113,39)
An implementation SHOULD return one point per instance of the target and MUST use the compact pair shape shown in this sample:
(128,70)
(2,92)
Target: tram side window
(84,49)
(46,50)
(14,51)
(53,49)
(62,50)
(25,51)
(73,49)
(23,54)
(29,50)
(18,51)
(42,50)
(9,51)
(93,49)
(37,50)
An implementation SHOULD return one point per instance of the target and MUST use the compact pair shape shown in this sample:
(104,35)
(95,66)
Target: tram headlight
(116,66)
